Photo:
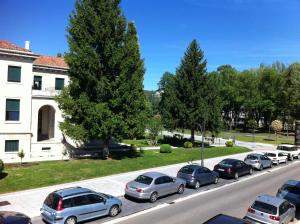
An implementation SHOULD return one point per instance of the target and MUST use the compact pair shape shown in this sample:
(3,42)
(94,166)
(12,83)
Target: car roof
(287,145)
(154,175)
(66,192)
(193,166)
(232,160)
(255,154)
(268,199)
(293,183)
(226,219)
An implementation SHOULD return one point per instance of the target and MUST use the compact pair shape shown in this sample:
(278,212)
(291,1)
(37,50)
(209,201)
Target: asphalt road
(232,200)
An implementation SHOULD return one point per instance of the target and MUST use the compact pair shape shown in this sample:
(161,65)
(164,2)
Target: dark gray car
(152,185)
(196,175)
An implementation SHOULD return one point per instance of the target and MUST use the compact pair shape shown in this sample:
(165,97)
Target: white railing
(45,92)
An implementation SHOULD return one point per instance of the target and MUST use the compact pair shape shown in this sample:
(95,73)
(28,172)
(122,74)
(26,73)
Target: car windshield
(271,154)
(144,180)
(292,189)
(252,157)
(186,170)
(264,207)
(226,163)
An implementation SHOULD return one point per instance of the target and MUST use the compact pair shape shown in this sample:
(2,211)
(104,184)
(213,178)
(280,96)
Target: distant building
(29,116)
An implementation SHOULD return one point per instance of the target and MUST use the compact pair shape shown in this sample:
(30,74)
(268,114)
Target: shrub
(21,154)
(229,143)
(188,145)
(165,148)
(133,148)
(1,166)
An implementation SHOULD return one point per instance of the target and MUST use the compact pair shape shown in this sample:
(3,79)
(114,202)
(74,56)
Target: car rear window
(264,207)
(289,148)
(228,163)
(271,154)
(52,200)
(144,180)
(252,157)
(186,170)
(292,189)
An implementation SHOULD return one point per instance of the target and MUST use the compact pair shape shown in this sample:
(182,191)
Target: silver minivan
(271,209)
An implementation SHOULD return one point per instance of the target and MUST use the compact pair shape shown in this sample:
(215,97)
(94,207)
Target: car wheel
(251,171)
(197,185)
(292,158)
(114,211)
(71,220)
(153,197)
(180,189)
(236,175)
(216,180)
(261,168)
(271,165)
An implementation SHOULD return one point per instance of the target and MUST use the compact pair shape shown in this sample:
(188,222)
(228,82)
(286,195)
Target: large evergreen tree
(105,98)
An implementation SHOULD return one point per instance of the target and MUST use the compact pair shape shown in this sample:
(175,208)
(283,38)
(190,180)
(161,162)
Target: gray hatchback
(258,161)
(72,205)
(152,185)
(196,175)
(272,210)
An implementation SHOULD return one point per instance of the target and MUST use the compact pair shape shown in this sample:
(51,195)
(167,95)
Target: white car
(277,157)
(291,151)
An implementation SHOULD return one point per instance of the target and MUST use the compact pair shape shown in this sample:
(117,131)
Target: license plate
(221,169)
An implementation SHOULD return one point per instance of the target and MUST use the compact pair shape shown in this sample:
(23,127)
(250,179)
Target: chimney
(27,45)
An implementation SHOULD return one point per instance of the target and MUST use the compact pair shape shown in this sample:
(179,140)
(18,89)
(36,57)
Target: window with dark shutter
(59,84)
(12,110)
(14,74)
(11,145)
(37,82)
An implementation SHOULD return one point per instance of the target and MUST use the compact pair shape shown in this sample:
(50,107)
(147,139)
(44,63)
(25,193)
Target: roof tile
(7,45)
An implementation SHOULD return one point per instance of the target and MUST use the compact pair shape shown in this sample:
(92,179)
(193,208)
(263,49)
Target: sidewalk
(30,201)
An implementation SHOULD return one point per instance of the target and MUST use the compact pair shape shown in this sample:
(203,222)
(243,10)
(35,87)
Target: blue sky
(243,33)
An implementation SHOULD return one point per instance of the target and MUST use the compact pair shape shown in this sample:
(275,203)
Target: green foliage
(188,145)
(105,97)
(165,148)
(251,124)
(229,143)
(1,166)
(21,154)
(154,127)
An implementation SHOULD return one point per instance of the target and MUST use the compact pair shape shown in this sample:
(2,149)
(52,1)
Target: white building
(29,116)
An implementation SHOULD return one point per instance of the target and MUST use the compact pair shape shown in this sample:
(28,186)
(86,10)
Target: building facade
(29,115)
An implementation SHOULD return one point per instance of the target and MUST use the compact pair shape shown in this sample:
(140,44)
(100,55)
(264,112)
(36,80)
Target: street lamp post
(202,127)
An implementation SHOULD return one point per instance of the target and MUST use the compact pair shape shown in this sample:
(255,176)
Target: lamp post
(202,128)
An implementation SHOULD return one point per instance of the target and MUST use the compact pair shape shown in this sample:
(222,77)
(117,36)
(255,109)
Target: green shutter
(14,74)
(12,105)
(11,145)
(59,83)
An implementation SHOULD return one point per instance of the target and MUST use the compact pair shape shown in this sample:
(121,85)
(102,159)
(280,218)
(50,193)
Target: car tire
(261,168)
(216,180)
(271,165)
(180,189)
(71,220)
(236,175)
(153,197)
(114,211)
(251,171)
(292,158)
(197,185)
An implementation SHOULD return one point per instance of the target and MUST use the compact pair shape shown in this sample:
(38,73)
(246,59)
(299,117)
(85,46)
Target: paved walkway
(30,201)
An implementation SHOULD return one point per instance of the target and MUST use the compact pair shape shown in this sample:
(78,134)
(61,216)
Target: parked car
(258,161)
(271,209)
(13,218)
(152,185)
(290,191)
(226,219)
(72,205)
(196,175)
(233,168)
(291,151)
(277,157)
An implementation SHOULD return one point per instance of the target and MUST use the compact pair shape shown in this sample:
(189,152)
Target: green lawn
(57,172)
(259,137)
(137,142)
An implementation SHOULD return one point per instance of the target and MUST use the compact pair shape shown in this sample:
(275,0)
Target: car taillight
(228,170)
(60,205)
(139,190)
(257,161)
(251,210)
(274,217)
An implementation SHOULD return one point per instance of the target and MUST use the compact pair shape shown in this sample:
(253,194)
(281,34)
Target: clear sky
(243,33)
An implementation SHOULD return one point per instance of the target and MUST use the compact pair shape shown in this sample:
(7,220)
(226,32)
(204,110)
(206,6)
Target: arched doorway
(46,121)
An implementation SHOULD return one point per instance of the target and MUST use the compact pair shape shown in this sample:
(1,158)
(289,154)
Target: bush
(165,148)
(1,166)
(133,148)
(188,145)
(229,143)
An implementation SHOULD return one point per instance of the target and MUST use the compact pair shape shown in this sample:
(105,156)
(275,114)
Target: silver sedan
(152,185)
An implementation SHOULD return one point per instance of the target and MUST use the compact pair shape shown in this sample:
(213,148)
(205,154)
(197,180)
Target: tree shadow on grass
(3,175)
(126,154)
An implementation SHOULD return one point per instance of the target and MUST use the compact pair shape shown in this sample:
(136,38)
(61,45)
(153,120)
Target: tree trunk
(193,136)
(105,152)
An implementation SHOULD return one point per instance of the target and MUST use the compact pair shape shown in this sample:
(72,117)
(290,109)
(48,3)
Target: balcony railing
(45,92)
